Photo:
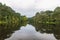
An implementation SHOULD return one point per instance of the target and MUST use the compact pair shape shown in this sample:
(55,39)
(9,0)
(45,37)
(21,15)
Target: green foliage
(47,22)
(8,17)
(47,17)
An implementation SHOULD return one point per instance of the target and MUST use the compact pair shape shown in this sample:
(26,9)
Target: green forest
(47,22)
(46,17)
(10,18)
(44,21)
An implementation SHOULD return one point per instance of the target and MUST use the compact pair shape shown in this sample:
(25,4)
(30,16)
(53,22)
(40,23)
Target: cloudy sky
(30,7)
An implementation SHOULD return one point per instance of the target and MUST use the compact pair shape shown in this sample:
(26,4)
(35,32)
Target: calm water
(29,32)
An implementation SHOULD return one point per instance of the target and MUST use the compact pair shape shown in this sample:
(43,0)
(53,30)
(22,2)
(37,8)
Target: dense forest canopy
(8,17)
(47,17)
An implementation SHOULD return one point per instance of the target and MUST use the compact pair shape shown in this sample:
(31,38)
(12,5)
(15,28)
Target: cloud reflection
(29,33)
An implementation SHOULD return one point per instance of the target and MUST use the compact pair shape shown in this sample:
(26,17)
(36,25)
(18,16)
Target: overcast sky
(30,7)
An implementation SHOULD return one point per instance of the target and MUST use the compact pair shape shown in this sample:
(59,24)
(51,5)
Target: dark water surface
(29,32)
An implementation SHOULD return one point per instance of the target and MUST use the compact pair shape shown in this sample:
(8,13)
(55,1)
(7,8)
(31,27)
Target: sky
(30,7)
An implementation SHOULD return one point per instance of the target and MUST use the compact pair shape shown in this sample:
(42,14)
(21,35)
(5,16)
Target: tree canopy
(8,17)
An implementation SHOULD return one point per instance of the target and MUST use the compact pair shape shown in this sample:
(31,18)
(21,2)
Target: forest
(10,18)
(47,22)
(46,17)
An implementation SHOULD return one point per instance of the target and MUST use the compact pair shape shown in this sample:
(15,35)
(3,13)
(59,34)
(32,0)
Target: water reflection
(6,31)
(49,29)
(29,33)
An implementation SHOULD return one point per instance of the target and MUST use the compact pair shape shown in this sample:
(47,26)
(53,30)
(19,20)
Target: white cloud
(47,4)
(29,7)
(19,3)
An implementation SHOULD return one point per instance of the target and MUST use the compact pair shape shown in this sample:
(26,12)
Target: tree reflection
(6,32)
(50,29)
(57,32)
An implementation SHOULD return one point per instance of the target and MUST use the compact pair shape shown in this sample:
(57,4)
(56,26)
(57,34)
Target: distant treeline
(46,17)
(8,17)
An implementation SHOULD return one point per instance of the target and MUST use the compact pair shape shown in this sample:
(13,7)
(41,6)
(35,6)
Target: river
(29,32)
